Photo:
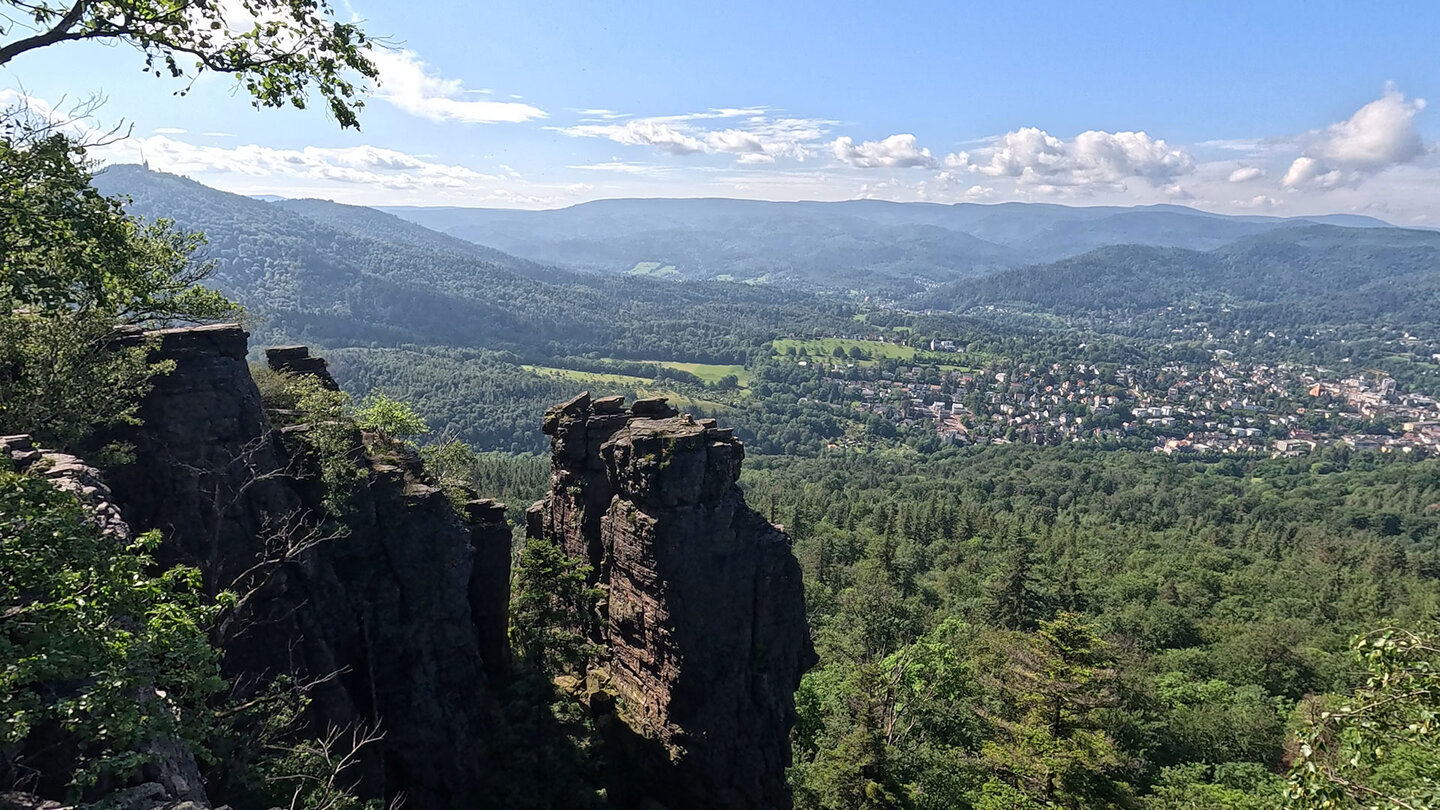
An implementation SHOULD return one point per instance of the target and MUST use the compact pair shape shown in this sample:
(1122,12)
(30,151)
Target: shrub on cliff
(99,656)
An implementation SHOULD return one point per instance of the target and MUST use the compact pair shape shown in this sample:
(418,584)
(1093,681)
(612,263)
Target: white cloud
(621,167)
(641,132)
(753,136)
(170,131)
(76,123)
(409,84)
(1309,171)
(363,165)
(1092,159)
(1258,202)
(1379,135)
(1245,174)
(895,152)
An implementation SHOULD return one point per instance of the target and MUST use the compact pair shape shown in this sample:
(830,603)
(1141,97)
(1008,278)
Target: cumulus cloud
(895,152)
(1258,202)
(409,84)
(1245,174)
(751,134)
(1309,171)
(1092,159)
(1379,135)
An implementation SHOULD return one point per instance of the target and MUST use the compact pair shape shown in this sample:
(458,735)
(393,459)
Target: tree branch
(59,33)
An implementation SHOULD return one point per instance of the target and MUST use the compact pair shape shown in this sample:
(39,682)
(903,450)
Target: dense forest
(353,276)
(1184,618)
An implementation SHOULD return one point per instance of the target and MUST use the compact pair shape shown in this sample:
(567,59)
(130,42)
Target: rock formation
(298,360)
(396,613)
(703,622)
(400,615)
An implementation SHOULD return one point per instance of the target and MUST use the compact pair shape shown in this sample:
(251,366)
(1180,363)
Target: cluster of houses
(1217,407)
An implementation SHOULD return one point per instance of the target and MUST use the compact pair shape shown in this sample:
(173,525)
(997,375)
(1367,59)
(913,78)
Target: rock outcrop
(398,618)
(298,360)
(703,621)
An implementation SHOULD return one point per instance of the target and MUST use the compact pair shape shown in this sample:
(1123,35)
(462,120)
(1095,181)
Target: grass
(655,269)
(708,372)
(825,348)
(588,377)
(683,402)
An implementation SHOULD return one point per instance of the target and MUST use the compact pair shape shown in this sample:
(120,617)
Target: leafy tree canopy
(68,248)
(280,50)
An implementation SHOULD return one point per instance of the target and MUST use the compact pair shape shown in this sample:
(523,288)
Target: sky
(1275,107)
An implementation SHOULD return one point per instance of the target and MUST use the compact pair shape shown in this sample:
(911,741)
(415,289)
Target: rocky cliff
(396,614)
(703,623)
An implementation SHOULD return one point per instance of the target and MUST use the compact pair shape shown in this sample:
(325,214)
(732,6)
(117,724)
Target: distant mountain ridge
(1312,272)
(352,276)
(864,244)
(338,275)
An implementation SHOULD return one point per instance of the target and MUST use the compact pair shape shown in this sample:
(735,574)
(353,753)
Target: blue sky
(1273,107)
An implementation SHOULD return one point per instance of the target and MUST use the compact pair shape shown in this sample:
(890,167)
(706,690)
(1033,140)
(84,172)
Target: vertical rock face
(401,618)
(704,618)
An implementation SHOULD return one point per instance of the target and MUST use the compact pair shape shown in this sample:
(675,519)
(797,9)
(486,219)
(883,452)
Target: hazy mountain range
(861,244)
(565,281)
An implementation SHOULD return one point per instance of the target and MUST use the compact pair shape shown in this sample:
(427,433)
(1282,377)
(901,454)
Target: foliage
(64,379)
(1380,747)
(73,267)
(549,746)
(390,418)
(1049,737)
(1198,604)
(278,49)
(329,430)
(552,610)
(69,249)
(97,651)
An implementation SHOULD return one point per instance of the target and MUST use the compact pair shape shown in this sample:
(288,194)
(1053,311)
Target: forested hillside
(871,245)
(1315,275)
(351,276)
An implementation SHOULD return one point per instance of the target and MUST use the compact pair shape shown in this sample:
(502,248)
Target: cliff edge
(397,621)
